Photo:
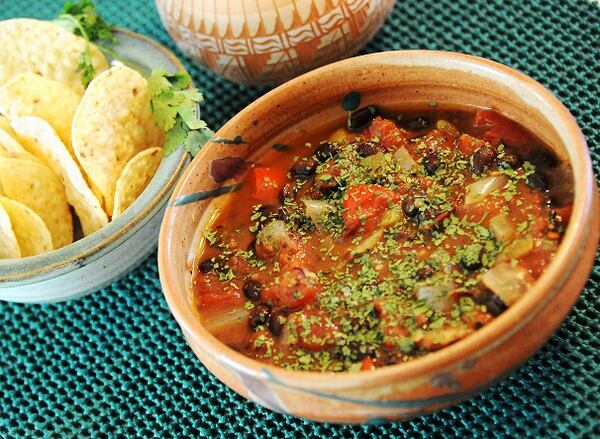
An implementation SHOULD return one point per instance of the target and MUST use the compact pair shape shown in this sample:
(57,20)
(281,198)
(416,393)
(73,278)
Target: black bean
(537,181)
(508,160)
(288,192)
(361,118)
(277,320)
(416,124)
(206,266)
(542,160)
(358,350)
(409,208)
(482,158)
(267,210)
(326,151)
(391,358)
(366,149)
(471,265)
(431,162)
(424,272)
(303,168)
(252,290)
(471,261)
(493,303)
(259,315)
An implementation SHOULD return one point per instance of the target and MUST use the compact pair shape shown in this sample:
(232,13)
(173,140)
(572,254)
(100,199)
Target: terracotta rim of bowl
(135,222)
(480,341)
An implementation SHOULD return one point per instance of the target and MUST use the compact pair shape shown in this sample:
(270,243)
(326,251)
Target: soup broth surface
(390,238)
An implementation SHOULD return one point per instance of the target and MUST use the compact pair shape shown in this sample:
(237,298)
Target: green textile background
(115,363)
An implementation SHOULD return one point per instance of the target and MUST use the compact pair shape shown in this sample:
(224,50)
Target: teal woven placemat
(115,363)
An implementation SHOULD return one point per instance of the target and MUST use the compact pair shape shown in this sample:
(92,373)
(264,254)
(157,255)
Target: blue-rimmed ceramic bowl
(95,261)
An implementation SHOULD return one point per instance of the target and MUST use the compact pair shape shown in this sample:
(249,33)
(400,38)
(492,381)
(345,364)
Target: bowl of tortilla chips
(83,178)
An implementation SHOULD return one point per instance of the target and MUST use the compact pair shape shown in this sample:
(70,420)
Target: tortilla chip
(113,123)
(39,188)
(9,144)
(28,94)
(9,246)
(135,177)
(31,232)
(48,146)
(5,125)
(44,48)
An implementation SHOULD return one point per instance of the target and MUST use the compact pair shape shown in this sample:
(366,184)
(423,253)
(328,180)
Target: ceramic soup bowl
(260,43)
(391,80)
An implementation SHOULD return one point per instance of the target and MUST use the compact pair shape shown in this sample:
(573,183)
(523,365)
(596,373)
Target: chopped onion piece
(391,218)
(227,324)
(315,209)
(518,248)
(368,243)
(507,282)
(271,238)
(404,159)
(436,296)
(477,191)
(502,228)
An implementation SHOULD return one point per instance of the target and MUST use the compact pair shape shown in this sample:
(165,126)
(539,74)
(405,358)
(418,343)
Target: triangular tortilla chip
(135,177)
(28,94)
(113,123)
(31,232)
(43,47)
(47,145)
(39,188)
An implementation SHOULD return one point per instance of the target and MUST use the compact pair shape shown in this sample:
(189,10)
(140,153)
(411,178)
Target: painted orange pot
(267,42)
(392,80)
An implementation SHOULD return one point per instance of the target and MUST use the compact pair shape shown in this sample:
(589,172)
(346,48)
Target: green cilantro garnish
(174,102)
(80,17)
(175,108)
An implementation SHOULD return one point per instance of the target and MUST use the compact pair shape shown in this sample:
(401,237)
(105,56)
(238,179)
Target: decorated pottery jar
(268,42)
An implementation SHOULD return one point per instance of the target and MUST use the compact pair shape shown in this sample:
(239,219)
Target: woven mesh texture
(115,363)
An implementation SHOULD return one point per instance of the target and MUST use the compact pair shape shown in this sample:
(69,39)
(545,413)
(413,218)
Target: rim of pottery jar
(30,268)
(477,343)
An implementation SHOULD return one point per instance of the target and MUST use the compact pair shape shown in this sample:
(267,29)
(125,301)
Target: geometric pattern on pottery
(260,42)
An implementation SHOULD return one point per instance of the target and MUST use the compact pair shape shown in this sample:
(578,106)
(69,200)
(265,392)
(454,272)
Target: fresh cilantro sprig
(175,107)
(80,17)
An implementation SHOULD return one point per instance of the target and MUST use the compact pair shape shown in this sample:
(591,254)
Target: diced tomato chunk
(365,204)
(390,136)
(501,129)
(313,330)
(367,364)
(468,144)
(212,292)
(296,288)
(267,183)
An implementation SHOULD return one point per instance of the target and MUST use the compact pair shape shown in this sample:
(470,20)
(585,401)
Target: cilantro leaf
(80,18)
(174,137)
(86,67)
(196,139)
(179,80)
(189,117)
(92,26)
(175,111)
(158,82)
(165,108)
